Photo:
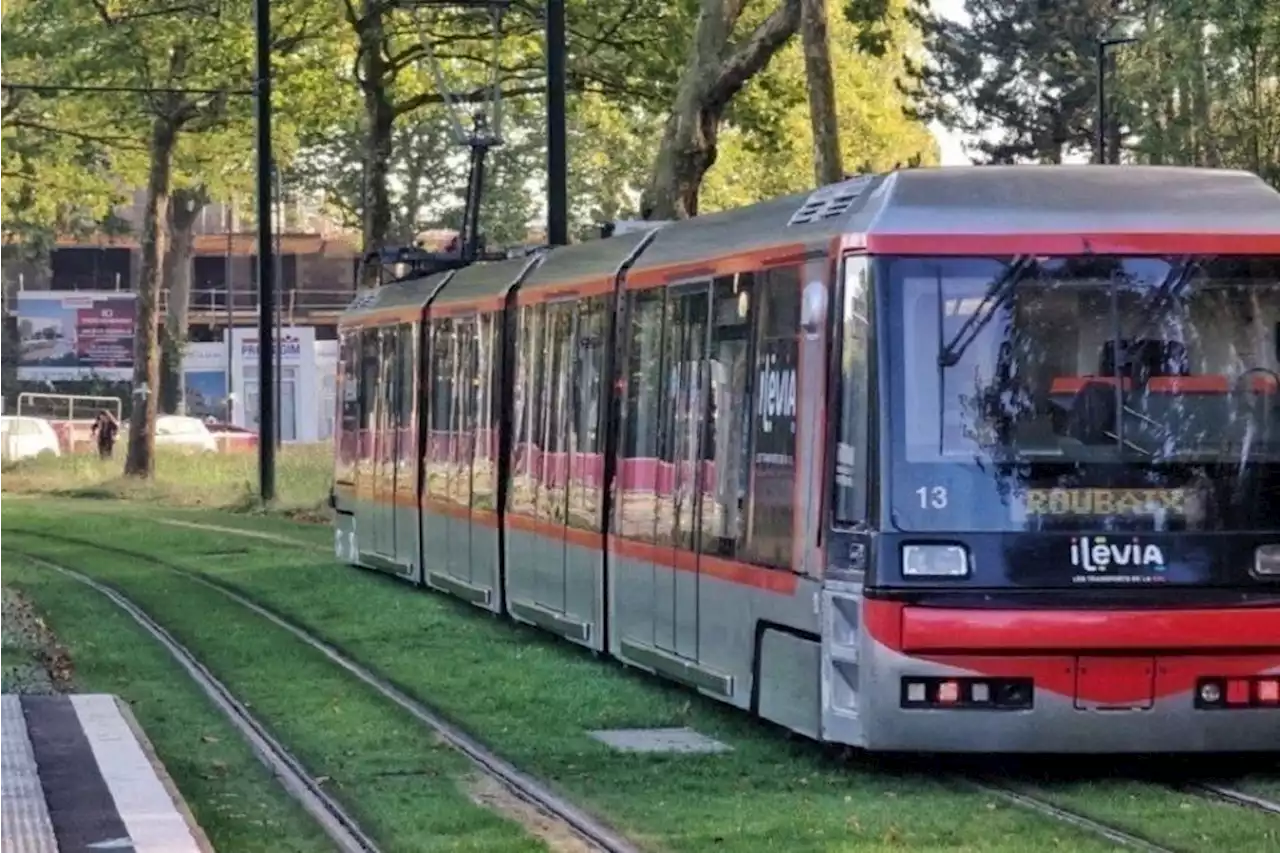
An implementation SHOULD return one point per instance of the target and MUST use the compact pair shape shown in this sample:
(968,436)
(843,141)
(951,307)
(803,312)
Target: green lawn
(233,797)
(405,788)
(226,480)
(531,698)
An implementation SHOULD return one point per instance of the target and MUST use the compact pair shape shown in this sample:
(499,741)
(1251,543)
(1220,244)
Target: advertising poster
(75,336)
(206,394)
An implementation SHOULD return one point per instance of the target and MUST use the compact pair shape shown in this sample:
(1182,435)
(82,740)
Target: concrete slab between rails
(79,774)
(659,740)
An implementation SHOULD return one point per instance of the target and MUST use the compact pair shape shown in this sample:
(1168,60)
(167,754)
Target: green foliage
(1200,87)
(91,148)
(624,61)
(1021,72)
(767,148)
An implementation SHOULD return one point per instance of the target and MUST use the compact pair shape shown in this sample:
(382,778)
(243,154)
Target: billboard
(75,335)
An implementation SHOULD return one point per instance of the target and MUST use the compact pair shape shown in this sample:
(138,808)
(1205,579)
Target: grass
(404,787)
(534,700)
(227,480)
(233,797)
(1184,821)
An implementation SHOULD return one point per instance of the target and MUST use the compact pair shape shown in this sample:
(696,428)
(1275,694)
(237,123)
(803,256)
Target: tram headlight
(1266,562)
(935,561)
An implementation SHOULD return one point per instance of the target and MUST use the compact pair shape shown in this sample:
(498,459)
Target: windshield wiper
(1175,281)
(997,295)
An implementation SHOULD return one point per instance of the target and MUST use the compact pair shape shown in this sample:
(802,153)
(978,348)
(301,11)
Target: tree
(767,146)
(179,65)
(1202,86)
(1022,70)
(716,69)
(827,168)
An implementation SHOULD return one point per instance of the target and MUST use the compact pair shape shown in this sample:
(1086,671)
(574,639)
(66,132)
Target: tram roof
(480,282)
(984,200)
(591,260)
(396,298)
(995,200)
(1077,199)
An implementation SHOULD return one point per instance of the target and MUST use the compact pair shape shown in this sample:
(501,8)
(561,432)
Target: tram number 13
(932,497)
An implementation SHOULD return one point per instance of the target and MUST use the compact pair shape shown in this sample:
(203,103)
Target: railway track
(301,785)
(584,827)
(574,822)
(1022,797)
(1232,795)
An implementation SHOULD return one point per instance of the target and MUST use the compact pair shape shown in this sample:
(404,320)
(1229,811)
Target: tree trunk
(709,82)
(140,461)
(184,208)
(827,168)
(380,118)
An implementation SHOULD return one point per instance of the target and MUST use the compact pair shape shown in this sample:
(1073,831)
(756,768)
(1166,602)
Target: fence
(295,305)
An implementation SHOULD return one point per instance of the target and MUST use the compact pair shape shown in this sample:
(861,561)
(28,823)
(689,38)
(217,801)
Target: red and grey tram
(943,459)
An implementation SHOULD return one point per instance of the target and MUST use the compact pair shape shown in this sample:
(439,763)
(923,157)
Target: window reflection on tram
(707,457)
(1154,378)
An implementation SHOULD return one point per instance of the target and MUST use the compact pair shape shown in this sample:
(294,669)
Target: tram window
(405,362)
(406,368)
(773,431)
(586,465)
(462,420)
(854,396)
(526,422)
(388,407)
(484,417)
(727,450)
(439,410)
(637,475)
(370,360)
(683,414)
(552,491)
(349,421)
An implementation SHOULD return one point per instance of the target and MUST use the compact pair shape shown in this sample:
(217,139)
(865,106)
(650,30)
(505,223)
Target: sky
(950,143)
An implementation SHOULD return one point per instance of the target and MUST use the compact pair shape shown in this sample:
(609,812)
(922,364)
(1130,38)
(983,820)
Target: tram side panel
(364,511)
(704,587)
(350,436)
(554,562)
(483,422)
(458,523)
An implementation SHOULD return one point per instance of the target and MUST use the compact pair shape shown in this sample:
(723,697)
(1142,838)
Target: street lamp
(1103,45)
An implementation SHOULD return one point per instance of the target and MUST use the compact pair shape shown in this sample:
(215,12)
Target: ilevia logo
(1098,553)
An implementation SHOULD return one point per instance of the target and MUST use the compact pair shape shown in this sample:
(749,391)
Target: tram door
(386,447)
(366,476)
(460,533)
(685,420)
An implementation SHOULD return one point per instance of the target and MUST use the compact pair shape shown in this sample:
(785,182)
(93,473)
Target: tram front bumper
(1069,680)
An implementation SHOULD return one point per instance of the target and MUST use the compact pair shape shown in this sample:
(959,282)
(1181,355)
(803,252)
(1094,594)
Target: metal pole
(266,400)
(230,297)
(557,133)
(279,355)
(1100,128)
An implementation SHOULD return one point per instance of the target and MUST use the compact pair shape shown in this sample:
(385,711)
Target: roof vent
(830,201)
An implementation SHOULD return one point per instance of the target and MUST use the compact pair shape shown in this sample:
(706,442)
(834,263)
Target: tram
(975,460)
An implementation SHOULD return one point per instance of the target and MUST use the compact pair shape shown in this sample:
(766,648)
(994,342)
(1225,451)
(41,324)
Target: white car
(188,433)
(25,437)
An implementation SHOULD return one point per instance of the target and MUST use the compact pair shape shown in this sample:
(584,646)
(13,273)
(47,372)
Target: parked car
(25,437)
(232,438)
(184,432)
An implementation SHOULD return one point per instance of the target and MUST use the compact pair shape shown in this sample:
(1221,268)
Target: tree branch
(113,141)
(754,54)
(473,97)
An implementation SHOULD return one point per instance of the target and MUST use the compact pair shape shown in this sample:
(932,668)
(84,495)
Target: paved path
(79,776)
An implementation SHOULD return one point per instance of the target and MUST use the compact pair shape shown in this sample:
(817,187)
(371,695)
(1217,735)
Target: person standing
(105,428)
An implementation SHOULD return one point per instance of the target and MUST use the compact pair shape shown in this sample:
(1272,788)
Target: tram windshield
(1084,392)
